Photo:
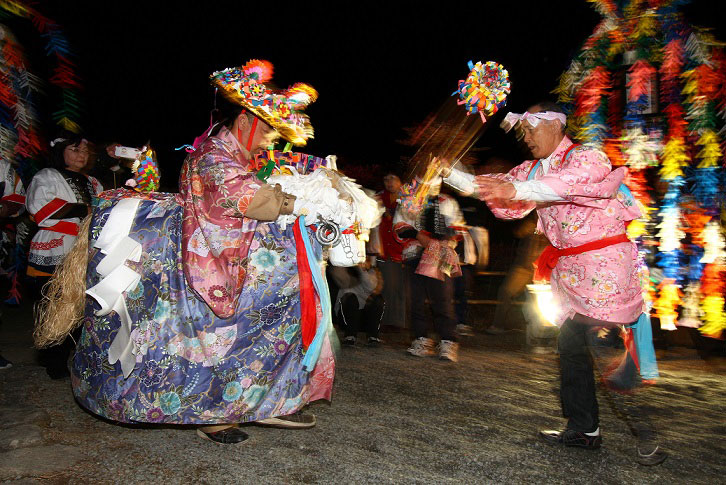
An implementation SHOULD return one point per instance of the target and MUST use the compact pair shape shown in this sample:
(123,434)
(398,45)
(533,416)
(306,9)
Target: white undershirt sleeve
(535,191)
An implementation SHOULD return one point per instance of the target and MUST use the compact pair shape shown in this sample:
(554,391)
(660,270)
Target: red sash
(308,314)
(48,209)
(548,259)
(64,227)
(17,198)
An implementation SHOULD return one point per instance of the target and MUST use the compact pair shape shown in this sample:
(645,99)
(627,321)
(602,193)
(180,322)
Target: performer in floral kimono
(594,267)
(211,332)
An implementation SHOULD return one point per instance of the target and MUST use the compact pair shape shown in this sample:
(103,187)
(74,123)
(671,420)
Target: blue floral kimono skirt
(193,367)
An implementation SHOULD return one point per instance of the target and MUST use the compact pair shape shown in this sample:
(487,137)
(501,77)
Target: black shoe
(656,457)
(374,341)
(226,436)
(57,372)
(570,437)
(349,341)
(5,363)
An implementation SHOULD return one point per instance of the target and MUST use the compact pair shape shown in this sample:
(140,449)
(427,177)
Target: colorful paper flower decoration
(485,89)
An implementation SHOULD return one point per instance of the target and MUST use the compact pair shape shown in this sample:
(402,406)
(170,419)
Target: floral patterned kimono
(585,206)
(215,316)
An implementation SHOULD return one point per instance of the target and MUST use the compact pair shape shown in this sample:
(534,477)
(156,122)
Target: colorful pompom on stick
(485,89)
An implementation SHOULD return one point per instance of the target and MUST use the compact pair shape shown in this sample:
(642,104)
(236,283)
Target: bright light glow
(545,303)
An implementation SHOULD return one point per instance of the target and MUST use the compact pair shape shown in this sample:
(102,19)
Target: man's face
(391,183)
(265,135)
(543,139)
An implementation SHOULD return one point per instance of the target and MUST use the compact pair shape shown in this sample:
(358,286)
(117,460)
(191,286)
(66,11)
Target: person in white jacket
(58,198)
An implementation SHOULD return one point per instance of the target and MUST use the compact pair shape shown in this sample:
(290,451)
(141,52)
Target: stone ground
(393,419)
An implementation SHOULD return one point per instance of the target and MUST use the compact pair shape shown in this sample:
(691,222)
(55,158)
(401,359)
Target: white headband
(61,140)
(533,118)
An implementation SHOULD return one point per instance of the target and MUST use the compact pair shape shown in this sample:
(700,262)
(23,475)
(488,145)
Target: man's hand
(111,150)
(491,190)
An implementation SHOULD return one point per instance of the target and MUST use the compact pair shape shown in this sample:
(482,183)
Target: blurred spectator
(390,261)
(466,250)
(358,300)
(520,273)
(111,170)
(431,263)
(14,230)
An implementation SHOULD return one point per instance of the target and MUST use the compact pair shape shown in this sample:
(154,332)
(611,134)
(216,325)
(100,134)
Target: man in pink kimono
(594,267)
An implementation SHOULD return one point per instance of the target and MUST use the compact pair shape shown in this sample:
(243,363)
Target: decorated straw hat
(283,110)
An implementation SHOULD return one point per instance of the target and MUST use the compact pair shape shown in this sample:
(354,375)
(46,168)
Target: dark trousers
(462,284)
(580,354)
(440,295)
(55,357)
(352,316)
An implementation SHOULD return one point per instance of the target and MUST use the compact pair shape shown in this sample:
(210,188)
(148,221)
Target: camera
(127,152)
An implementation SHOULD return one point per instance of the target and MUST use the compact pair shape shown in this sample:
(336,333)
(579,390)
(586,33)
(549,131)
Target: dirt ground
(394,419)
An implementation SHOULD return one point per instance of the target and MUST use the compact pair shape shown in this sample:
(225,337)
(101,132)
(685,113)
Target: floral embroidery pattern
(580,283)
(217,293)
(216,187)
(264,259)
(45,246)
(194,367)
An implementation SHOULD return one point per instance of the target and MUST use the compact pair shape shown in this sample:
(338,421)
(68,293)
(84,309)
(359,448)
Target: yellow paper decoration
(69,125)
(647,27)
(636,229)
(667,304)
(674,159)
(713,315)
(710,154)
(690,88)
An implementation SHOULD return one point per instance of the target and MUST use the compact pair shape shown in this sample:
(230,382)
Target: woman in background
(58,198)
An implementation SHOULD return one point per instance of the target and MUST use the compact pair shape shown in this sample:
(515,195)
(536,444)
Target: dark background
(379,67)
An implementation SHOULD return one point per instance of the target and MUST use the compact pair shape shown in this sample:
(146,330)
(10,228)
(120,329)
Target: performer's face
(543,139)
(263,137)
(76,156)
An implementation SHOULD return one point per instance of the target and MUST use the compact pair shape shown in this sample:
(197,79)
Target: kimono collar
(227,137)
(559,151)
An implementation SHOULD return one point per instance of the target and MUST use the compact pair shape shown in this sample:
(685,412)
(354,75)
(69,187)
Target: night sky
(378,68)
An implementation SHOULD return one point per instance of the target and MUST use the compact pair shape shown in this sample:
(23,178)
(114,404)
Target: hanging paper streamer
(63,76)
(676,169)
(485,89)
(666,306)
